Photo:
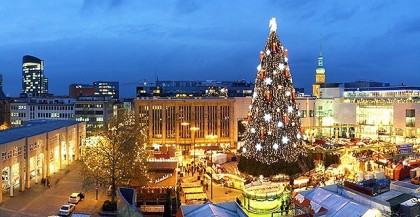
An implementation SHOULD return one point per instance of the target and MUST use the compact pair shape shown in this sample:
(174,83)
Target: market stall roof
(336,205)
(227,209)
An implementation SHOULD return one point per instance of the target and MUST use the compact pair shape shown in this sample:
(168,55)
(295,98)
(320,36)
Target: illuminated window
(410,118)
(311,113)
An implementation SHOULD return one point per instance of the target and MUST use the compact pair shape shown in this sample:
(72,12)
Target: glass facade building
(34,82)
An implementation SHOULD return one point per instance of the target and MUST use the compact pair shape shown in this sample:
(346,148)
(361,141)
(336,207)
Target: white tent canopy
(338,205)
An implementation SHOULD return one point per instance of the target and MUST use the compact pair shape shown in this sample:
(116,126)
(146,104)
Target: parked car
(66,209)
(74,198)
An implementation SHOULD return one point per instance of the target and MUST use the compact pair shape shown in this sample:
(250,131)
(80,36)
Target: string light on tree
(268,81)
(267,117)
(273,122)
(258,147)
(284,140)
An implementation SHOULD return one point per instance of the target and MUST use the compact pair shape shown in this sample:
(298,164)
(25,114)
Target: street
(39,200)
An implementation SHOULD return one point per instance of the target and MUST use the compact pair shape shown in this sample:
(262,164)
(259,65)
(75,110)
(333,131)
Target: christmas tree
(273,133)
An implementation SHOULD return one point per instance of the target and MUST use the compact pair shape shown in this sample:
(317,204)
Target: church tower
(320,73)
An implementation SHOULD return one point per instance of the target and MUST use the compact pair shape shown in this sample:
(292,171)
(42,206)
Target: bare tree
(118,155)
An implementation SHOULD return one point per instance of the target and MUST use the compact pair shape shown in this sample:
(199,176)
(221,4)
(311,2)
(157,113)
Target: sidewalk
(40,200)
(20,199)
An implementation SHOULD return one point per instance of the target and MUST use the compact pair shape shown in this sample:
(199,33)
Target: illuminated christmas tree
(273,133)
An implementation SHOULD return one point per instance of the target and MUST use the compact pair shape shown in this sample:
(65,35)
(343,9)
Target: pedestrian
(287,207)
(323,180)
(48,183)
(282,207)
(308,183)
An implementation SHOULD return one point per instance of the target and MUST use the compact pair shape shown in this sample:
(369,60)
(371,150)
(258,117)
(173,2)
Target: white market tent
(338,205)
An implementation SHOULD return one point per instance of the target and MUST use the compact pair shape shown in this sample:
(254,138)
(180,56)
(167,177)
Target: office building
(181,123)
(78,90)
(107,88)
(95,111)
(34,82)
(4,107)
(56,108)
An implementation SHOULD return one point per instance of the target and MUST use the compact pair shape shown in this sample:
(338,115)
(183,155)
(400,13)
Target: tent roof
(32,128)
(336,204)
(228,209)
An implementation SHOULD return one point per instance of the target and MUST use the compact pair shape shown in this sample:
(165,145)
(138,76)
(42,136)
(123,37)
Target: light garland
(273,131)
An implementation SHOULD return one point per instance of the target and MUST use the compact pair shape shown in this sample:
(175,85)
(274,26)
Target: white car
(66,209)
(74,198)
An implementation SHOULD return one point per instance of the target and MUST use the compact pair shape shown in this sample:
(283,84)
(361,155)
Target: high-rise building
(34,82)
(107,88)
(4,107)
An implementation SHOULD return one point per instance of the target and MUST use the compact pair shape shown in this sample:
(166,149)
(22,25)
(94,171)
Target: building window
(303,114)
(311,113)
(410,118)
(3,156)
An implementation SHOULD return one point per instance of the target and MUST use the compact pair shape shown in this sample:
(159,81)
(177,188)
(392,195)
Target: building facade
(56,108)
(185,89)
(107,89)
(34,82)
(78,90)
(4,107)
(37,150)
(95,111)
(180,123)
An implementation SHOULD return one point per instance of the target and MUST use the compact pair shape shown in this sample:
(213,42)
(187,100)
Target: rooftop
(32,128)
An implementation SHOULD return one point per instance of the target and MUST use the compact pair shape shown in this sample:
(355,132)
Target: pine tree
(273,131)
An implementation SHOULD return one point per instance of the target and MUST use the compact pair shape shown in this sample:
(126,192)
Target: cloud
(188,6)
(93,5)
(340,12)
(407,26)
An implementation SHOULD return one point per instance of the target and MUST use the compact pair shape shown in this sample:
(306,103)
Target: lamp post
(193,129)
(211,137)
(184,134)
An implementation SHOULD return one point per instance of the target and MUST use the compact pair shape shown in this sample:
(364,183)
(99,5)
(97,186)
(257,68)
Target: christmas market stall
(321,202)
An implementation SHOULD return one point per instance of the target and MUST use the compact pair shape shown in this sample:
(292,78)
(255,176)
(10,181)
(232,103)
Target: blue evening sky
(133,40)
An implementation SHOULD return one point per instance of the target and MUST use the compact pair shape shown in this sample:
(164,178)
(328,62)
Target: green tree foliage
(117,155)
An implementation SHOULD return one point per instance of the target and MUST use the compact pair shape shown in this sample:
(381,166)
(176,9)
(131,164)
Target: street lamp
(211,137)
(184,134)
(193,129)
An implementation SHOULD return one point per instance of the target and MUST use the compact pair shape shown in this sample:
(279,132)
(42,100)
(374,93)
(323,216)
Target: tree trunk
(291,181)
(302,165)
